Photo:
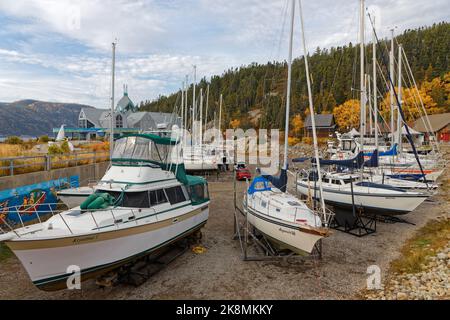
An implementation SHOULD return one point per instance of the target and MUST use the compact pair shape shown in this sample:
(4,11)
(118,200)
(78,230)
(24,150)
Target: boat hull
(199,166)
(383,204)
(48,261)
(292,236)
(74,197)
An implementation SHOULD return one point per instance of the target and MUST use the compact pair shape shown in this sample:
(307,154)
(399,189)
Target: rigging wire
(400,109)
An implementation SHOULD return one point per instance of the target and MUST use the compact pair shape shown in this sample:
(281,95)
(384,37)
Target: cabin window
(175,195)
(136,200)
(157,197)
(199,193)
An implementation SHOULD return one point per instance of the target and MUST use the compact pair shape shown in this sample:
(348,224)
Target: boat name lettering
(287,231)
(78,240)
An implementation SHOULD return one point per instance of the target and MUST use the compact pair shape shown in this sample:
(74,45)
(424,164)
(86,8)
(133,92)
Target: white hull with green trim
(50,260)
(144,202)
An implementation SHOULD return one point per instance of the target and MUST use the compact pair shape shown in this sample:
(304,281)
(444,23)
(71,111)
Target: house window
(119,121)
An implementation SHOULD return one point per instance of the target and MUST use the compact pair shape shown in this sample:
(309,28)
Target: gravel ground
(219,273)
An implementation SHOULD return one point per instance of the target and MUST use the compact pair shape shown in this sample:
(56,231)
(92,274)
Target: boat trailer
(137,272)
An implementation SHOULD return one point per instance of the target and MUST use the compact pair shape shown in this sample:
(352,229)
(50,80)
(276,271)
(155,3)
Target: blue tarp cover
(256,185)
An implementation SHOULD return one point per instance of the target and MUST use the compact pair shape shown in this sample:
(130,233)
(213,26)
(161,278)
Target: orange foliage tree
(297,125)
(236,123)
(347,114)
(435,95)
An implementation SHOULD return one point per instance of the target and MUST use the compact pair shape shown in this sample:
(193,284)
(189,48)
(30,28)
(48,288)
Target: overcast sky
(60,50)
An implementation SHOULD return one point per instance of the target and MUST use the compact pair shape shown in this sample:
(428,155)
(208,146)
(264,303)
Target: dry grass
(429,239)
(18,150)
(96,147)
(38,163)
(5,253)
(11,150)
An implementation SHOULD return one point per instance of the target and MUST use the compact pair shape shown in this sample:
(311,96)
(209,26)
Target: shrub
(65,147)
(44,139)
(13,140)
(307,140)
(54,149)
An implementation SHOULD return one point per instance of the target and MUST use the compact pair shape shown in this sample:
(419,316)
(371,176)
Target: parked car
(243,174)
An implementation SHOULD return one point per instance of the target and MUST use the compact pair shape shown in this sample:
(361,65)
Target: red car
(243,174)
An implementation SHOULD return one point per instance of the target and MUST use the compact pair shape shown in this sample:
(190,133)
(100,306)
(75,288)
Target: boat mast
(207,105)
(312,113)
(182,103)
(369,101)
(288,93)
(220,114)
(399,118)
(201,117)
(113,70)
(375,101)
(193,106)
(362,85)
(186,103)
(391,91)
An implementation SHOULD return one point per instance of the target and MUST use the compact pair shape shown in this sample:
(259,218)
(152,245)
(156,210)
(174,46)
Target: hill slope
(334,73)
(35,118)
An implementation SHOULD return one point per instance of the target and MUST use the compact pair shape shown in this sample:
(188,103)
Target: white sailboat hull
(290,235)
(378,203)
(199,165)
(48,261)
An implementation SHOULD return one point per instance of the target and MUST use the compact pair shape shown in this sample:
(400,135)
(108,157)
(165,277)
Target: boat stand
(392,220)
(249,237)
(357,224)
(139,271)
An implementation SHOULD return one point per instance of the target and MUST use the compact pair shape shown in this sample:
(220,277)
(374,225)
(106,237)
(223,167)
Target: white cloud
(159,41)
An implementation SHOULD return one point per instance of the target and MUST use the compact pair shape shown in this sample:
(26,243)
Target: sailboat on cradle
(273,211)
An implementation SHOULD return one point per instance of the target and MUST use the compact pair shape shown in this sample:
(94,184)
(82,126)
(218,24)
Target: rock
(441,256)
(402,296)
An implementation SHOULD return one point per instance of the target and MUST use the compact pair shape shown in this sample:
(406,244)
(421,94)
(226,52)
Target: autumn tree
(347,115)
(297,125)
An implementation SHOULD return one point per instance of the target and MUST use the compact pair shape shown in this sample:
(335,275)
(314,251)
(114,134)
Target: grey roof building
(126,119)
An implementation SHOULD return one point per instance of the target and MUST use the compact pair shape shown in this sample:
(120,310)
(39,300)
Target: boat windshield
(140,149)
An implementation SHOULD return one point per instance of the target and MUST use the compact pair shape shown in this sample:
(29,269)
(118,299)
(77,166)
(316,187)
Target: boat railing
(40,213)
